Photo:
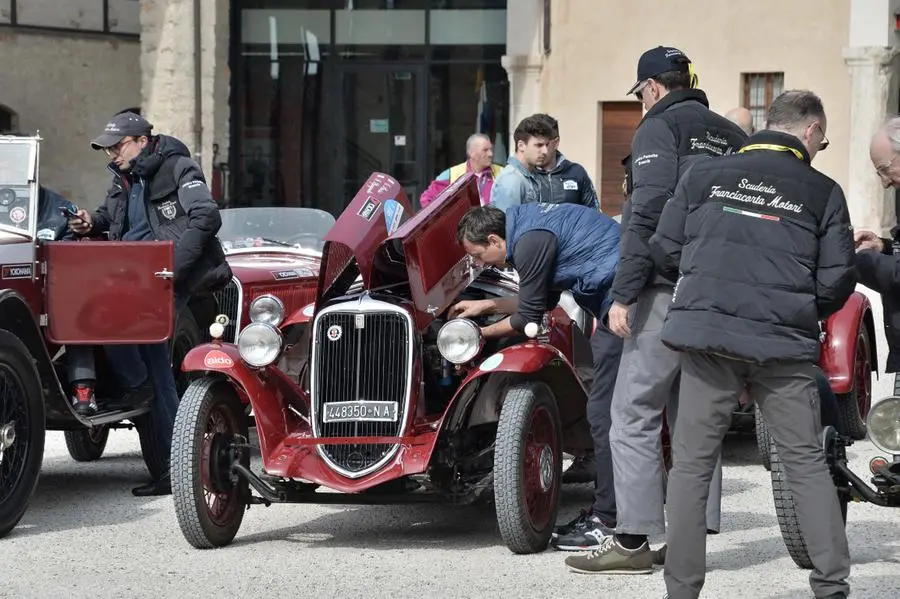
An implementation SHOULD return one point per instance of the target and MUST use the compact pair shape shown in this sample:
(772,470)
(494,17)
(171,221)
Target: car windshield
(15,190)
(274,227)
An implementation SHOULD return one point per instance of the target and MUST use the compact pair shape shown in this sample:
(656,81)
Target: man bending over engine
(556,248)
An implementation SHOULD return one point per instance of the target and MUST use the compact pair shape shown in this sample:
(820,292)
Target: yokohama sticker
(217,359)
(17,271)
(369,208)
(334,332)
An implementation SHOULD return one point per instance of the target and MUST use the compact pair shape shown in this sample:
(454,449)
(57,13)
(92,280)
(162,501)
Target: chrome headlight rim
(476,344)
(278,313)
(885,405)
(276,339)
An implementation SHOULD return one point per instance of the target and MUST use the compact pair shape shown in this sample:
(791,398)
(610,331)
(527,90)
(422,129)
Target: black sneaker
(582,470)
(564,529)
(586,535)
(132,398)
(84,401)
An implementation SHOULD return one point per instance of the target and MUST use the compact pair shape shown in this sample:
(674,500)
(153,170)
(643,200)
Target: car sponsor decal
(18,215)
(169,210)
(285,275)
(334,332)
(309,309)
(369,208)
(393,215)
(492,362)
(217,359)
(17,271)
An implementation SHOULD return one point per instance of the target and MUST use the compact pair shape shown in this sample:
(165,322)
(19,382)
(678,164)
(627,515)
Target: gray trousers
(647,383)
(788,396)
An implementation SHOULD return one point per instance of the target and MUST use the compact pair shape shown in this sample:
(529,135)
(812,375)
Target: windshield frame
(274,248)
(33,184)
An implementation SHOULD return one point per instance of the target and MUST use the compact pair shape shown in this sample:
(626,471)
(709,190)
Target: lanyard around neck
(773,147)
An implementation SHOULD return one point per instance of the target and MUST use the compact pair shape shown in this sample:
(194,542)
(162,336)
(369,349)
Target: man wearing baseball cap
(677,130)
(158,193)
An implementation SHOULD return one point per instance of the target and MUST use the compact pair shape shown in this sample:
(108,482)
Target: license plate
(361,411)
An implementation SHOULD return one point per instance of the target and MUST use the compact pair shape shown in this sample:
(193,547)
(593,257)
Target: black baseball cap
(658,60)
(122,125)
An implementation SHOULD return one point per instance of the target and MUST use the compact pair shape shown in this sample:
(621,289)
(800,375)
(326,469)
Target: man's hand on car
(83,224)
(618,320)
(867,240)
(470,308)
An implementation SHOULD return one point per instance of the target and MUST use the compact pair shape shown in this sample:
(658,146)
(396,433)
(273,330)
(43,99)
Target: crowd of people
(731,249)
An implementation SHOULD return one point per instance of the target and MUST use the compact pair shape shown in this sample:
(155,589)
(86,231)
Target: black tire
(526,490)
(185,337)
(22,403)
(87,444)
(853,420)
(208,403)
(786,511)
(763,439)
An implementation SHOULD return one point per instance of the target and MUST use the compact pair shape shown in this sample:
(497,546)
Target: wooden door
(618,123)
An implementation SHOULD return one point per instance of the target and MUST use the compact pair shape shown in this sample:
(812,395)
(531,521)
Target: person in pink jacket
(480,154)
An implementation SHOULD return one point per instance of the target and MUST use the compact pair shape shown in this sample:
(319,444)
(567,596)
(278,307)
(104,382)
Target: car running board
(114,417)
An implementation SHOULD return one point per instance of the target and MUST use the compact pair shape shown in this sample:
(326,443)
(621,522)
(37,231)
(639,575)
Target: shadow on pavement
(870,587)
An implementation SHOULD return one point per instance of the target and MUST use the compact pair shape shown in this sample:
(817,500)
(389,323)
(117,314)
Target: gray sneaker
(659,556)
(612,558)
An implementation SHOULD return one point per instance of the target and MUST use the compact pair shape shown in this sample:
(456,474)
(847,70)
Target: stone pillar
(523,60)
(168,74)
(874,96)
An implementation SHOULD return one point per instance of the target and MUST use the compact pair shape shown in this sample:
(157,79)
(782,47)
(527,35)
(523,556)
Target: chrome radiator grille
(229,300)
(360,355)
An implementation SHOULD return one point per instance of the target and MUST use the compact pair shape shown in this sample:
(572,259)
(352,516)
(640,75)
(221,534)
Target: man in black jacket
(158,193)
(762,247)
(677,131)
(561,180)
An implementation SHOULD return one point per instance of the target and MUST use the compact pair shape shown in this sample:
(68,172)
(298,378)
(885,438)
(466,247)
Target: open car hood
(371,239)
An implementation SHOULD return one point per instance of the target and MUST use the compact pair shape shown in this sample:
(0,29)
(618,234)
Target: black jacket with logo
(677,132)
(881,272)
(180,208)
(566,183)
(763,249)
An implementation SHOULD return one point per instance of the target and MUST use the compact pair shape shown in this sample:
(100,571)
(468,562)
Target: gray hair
(471,140)
(794,108)
(891,128)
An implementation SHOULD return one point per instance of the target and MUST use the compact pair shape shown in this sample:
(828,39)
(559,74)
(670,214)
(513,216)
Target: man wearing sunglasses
(762,248)
(158,193)
(677,131)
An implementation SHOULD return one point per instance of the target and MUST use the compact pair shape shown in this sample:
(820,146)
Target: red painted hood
(273,266)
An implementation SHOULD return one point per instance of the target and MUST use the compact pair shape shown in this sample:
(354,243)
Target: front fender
(301,316)
(279,405)
(841,337)
(531,360)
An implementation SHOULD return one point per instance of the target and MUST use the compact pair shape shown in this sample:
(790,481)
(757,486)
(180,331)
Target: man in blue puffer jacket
(556,248)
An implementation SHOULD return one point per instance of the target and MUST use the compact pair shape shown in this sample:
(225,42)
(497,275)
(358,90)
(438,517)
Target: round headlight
(883,425)
(259,344)
(459,340)
(267,309)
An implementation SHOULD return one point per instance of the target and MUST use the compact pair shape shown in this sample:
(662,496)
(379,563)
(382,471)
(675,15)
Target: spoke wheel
(87,444)
(209,499)
(21,430)
(853,407)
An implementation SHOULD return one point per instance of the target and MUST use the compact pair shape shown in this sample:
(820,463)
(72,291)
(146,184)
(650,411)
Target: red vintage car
(394,402)
(57,294)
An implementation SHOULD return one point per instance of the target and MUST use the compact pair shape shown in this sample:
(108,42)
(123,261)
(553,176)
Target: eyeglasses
(824,143)
(883,169)
(117,149)
(639,92)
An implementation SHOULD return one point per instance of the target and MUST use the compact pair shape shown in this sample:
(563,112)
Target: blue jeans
(134,364)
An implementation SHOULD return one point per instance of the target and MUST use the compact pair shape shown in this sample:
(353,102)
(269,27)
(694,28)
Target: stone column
(524,72)
(874,96)
(168,74)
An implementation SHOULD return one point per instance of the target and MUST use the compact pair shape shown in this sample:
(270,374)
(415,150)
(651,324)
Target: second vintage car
(371,391)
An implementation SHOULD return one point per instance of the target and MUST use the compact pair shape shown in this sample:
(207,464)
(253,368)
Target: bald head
(480,151)
(741,117)
(885,153)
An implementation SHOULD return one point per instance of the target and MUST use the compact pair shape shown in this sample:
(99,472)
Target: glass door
(383,127)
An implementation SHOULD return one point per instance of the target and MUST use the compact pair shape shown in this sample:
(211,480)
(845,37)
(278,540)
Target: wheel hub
(546,465)
(7,436)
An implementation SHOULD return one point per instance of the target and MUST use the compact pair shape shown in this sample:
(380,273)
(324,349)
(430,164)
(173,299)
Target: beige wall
(596,45)
(67,86)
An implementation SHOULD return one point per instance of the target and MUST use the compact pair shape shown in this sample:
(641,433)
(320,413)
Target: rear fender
(279,405)
(17,318)
(841,334)
(478,399)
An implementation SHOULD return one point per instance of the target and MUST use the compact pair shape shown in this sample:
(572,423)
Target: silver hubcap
(546,468)
(7,437)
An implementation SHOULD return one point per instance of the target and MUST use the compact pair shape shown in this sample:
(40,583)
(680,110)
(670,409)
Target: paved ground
(86,536)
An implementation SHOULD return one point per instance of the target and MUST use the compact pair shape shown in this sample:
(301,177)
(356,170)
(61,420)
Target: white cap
(531,329)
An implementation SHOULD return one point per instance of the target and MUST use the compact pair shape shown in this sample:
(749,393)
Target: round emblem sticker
(18,215)
(492,362)
(334,332)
